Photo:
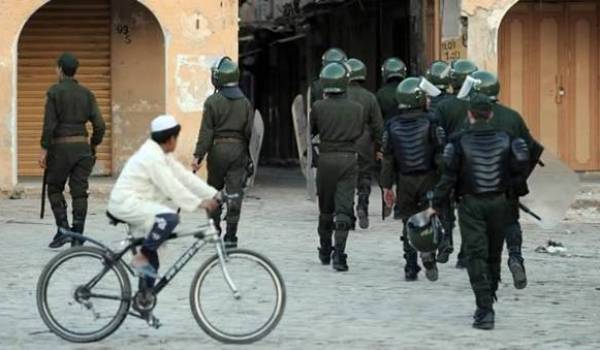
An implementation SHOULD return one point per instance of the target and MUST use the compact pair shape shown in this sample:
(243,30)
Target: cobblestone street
(369,307)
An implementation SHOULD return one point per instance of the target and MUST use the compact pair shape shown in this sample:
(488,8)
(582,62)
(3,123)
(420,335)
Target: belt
(70,139)
(228,140)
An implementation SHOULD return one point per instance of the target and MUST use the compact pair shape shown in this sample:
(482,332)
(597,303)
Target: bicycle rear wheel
(80,297)
(248,318)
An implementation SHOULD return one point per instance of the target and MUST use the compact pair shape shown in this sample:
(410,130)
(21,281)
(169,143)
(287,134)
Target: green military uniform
(339,123)
(510,121)
(69,106)
(386,98)
(409,153)
(393,71)
(451,113)
(483,205)
(225,132)
(370,140)
(316,91)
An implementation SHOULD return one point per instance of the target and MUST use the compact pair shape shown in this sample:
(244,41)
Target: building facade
(140,58)
(147,57)
(546,54)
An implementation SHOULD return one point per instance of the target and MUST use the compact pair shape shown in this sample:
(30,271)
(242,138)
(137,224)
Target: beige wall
(485,17)
(195,33)
(138,77)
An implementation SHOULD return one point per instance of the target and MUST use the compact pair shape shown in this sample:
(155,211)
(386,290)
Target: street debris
(552,247)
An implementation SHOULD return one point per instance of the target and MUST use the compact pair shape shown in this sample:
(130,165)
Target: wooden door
(581,85)
(548,57)
(81,27)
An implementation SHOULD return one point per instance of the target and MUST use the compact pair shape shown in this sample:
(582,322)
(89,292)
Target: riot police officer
(224,135)
(370,141)
(339,123)
(481,164)
(393,71)
(66,153)
(332,54)
(452,116)
(410,147)
(439,75)
(510,121)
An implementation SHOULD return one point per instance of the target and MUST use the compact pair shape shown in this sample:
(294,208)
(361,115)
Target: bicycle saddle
(113,220)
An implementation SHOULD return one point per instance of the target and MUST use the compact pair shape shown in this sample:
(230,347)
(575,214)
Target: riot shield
(311,171)
(300,129)
(255,145)
(552,190)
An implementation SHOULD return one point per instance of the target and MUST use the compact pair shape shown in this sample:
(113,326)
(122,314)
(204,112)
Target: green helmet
(224,73)
(358,70)
(424,232)
(393,67)
(487,83)
(334,78)
(333,55)
(439,74)
(409,94)
(460,69)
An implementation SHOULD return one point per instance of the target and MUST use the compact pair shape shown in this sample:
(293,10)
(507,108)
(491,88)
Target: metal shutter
(80,27)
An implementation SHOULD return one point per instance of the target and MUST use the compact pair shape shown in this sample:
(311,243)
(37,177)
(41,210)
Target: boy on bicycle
(151,179)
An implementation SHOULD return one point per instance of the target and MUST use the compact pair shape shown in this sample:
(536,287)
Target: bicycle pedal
(153,322)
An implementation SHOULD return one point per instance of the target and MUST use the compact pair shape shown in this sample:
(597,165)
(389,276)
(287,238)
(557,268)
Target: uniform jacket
(224,118)
(338,122)
(69,106)
(373,128)
(153,182)
(386,97)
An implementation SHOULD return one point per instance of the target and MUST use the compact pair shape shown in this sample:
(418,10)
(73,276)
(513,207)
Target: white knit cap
(163,122)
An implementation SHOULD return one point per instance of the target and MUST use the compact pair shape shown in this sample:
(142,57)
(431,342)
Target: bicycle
(89,288)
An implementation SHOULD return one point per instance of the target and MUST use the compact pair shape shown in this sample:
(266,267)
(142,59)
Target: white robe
(149,182)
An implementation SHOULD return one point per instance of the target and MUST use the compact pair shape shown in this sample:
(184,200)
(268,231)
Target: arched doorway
(548,64)
(115,41)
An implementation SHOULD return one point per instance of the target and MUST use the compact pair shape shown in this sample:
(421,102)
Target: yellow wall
(195,32)
(485,17)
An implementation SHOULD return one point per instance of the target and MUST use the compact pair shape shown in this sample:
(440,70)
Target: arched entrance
(120,46)
(549,64)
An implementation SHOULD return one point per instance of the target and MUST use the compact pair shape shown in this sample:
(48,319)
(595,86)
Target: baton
(524,208)
(43,203)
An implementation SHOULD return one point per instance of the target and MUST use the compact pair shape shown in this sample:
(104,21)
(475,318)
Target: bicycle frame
(205,235)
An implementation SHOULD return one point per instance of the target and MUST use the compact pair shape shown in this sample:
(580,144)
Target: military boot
(78,226)
(325,251)
(484,318)
(339,257)
(325,231)
(461,261)
(60,215)
(446,247)
(412,268)
(431,270)
(231,235)
(516,267)
(362,211)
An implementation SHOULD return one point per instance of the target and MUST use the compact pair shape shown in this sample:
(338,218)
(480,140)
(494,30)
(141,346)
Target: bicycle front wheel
(82,296)
(248,316)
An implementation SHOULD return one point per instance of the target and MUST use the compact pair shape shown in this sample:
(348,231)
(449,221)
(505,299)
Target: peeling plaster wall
(485,17)
(138,77)
(194,29)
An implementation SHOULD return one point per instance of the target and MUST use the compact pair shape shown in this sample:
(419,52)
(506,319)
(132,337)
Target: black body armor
(486,162)
(412,142)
